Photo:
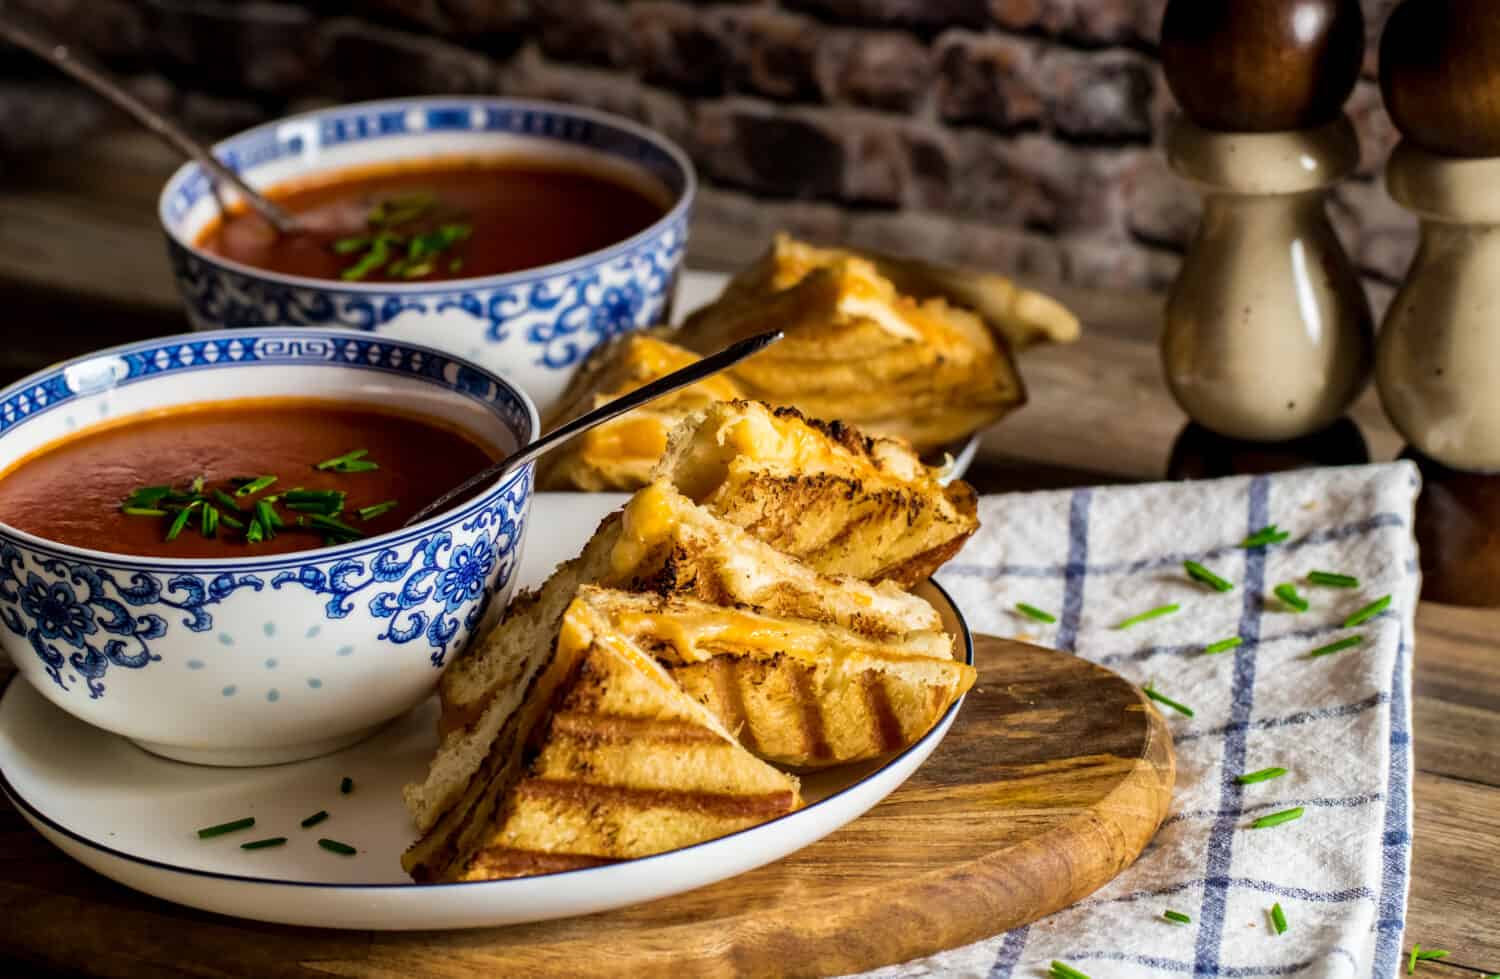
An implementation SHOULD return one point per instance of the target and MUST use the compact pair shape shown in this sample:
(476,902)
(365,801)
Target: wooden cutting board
(1053,779)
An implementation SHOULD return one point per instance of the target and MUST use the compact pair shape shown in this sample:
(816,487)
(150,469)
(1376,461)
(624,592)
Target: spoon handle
(681,378)
(59,56)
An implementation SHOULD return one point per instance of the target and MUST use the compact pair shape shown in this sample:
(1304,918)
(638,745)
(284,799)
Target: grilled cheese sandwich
(857,349)
(800,694)
(842,502)
(619,763)
(660,543)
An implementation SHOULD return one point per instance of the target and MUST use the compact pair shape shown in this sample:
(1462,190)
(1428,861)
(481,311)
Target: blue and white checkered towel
(1340,724)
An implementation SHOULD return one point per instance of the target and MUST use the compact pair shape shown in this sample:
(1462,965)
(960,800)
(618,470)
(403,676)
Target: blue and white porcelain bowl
(259,660)
(532,327)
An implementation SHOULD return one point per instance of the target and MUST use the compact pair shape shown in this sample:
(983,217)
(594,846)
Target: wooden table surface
(82,266)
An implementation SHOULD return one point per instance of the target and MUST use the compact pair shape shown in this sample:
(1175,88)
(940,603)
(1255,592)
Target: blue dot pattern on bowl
(314,682)
(195,664)
(230,690)
(313,630)
(271,663)
(343,651)
(269,628)
(273,695)
(226,639)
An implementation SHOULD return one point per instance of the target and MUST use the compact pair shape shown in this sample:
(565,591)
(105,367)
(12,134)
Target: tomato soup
(237,479)
(444,219)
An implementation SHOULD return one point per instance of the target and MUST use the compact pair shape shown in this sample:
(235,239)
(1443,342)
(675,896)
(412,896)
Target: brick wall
(1020,135)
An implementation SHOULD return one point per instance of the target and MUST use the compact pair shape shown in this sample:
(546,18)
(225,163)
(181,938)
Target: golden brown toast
(842,502)
(661,543)
(620,454)
(800,694)
(619,763)
(858,350)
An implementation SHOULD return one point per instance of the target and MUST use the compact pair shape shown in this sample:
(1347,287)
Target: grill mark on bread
(493,863)
(619,729)
(585,795)
(887,724)
(813,733)
(724,672)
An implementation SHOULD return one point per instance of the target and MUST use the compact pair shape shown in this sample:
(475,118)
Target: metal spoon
(62,58)
(691,374)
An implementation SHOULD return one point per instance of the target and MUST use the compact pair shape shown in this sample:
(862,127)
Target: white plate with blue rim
(134,817)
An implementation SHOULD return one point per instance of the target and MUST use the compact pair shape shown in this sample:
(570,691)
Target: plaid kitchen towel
(1340,723)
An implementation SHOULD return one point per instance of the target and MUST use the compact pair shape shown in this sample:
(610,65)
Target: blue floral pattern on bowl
(89,627)
(531,326)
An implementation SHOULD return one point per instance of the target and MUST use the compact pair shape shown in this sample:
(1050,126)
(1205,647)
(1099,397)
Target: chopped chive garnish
(336,461)
(336,526)
(346,785)
(1368,612)
(1349,642)
(233,522)
(227,502)
(142,511)
(1411,963)
(377,256)
(1278,918)
(1061,970)
(416,270)
(180,521)
(1177,916)
(1288,593)
(1330,579)
(1264,537)
(267,519)
(1151,692)
(255,486)
(1147,616)
(269,841)
(255,533)
(375,510)
(1223,645)
(334,846)
(348,246)
(315,818)
(357,466)
(196,486)
(1264,775)
(1428,954)
(209,525)
(455,265)
(1201,574)
(147,496)
(208,832)
(1032,612)
(1277,818)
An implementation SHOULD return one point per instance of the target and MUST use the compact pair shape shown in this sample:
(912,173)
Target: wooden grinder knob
(1263,65)
(1440,73)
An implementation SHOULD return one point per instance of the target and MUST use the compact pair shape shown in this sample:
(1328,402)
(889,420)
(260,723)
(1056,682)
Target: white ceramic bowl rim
(937,728)
(248,336)
(677,213)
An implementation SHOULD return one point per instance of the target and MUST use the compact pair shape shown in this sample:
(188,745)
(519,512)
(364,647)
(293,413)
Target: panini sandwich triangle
(660,542)
(618,763)
(797,693)
(843,502)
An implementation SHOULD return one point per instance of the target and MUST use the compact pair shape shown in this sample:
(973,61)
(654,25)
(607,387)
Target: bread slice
(796,693)
(858,350)
(619,455)
(844,503)
(616,762)
(662,543)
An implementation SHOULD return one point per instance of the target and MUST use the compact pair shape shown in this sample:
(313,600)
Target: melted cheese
(647,520)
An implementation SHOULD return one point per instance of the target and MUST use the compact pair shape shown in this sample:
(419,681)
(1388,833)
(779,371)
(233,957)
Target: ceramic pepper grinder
(1268,336)
(1438,366)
